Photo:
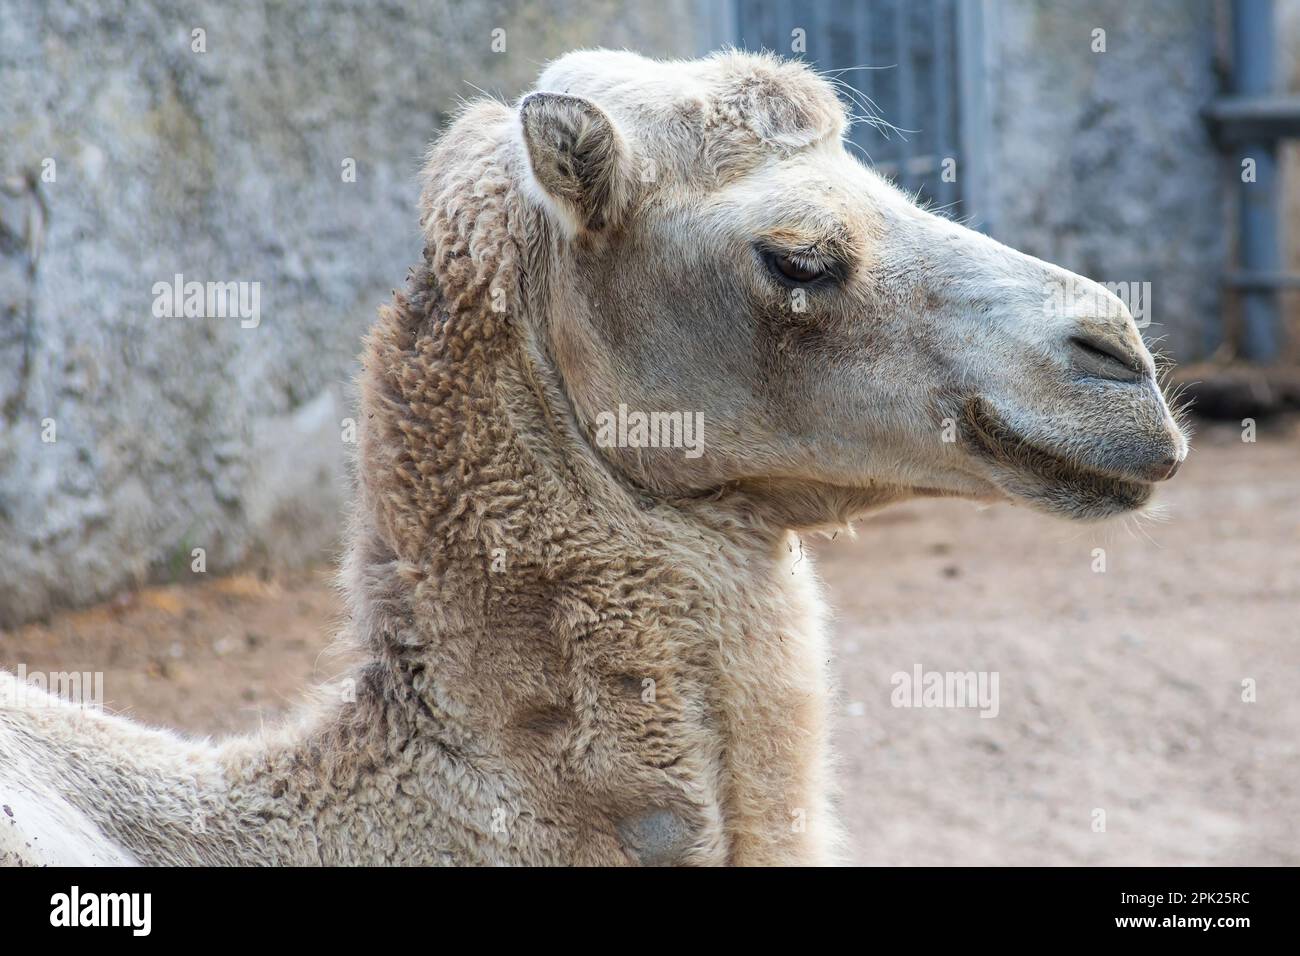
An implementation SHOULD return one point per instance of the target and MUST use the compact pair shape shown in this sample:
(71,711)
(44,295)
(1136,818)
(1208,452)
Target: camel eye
(793,270)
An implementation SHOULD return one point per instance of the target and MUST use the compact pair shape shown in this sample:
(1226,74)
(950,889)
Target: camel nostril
(1105,359)
(1163,470)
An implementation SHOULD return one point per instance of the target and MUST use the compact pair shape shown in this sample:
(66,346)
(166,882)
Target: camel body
(581,654)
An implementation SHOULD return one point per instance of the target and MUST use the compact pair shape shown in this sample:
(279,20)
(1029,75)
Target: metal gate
(899,59)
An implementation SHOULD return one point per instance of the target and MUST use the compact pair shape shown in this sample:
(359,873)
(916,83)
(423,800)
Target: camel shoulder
(38,827)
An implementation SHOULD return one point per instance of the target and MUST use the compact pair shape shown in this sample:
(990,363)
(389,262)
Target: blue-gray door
(898,59)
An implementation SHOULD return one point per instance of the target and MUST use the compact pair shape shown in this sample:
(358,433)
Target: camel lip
(1022,469)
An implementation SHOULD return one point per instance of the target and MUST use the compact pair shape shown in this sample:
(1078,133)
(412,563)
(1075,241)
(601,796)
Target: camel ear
(578,160)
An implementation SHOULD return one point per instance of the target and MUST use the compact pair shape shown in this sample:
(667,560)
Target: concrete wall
(172,433)
(1100,161)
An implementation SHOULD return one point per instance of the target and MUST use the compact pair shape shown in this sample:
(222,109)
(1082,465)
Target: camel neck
(557,667)
(521,616)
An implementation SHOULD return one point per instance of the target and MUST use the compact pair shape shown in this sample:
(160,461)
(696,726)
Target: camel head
(715,254)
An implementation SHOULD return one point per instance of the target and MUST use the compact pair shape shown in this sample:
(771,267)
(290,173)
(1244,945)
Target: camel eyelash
(801,268)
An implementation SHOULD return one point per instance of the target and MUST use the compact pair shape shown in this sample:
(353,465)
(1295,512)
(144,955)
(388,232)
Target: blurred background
(1144,144)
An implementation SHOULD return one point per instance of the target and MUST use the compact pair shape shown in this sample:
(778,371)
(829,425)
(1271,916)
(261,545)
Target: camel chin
(1056,482)
(1080,495)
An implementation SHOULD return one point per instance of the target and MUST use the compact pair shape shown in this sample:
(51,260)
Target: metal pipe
(1252,72)
(1254,117)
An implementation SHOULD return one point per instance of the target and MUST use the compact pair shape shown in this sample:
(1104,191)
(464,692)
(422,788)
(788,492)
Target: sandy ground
(1118,691)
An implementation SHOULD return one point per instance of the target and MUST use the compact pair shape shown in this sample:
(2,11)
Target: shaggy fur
(573,654)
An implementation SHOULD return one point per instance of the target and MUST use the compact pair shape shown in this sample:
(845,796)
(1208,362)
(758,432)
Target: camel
(582,645)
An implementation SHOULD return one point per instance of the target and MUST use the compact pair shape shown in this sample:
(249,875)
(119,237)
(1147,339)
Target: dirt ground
(1119,691)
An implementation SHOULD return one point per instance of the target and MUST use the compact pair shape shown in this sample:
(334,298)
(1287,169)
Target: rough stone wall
(1101,162)
(172,434)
